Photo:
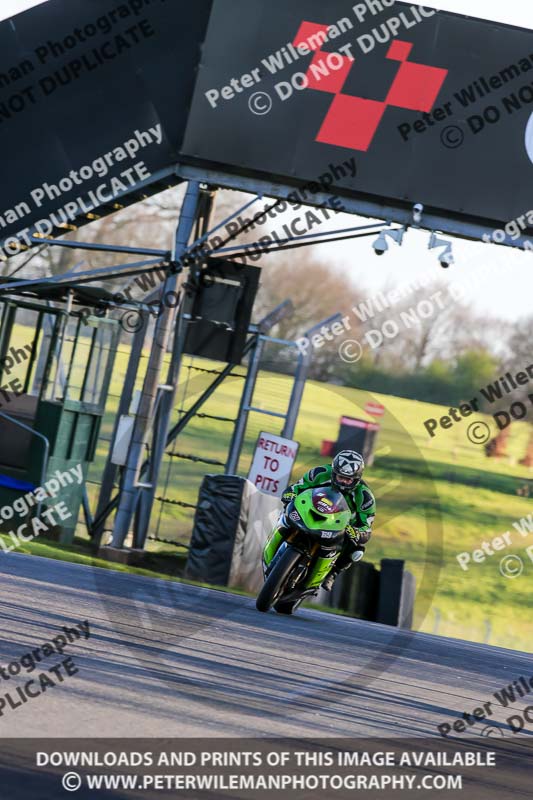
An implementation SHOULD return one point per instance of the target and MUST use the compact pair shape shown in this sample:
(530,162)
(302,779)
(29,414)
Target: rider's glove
(352,533)
(287,496)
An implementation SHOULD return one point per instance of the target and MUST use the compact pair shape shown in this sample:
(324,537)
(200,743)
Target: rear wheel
(275,583)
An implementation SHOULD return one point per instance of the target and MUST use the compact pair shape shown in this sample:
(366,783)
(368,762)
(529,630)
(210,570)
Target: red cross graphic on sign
(352,122)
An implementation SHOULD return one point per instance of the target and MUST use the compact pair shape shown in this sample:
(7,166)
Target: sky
(9,8)
(506,293)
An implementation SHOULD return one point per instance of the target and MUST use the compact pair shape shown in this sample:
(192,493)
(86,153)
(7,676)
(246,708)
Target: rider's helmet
(347,470)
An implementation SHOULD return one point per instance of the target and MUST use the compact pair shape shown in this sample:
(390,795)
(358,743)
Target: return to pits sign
(272,464)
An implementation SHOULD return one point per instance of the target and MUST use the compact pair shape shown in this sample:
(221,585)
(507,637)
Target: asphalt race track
(165,659)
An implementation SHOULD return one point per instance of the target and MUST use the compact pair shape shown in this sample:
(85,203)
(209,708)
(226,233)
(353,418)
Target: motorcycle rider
(346,475)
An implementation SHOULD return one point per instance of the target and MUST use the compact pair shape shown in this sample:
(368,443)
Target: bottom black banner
(477,769)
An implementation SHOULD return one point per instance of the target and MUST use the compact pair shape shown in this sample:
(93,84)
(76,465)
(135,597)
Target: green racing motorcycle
(293,567)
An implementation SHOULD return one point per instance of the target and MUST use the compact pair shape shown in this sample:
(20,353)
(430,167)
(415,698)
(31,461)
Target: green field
(436,498)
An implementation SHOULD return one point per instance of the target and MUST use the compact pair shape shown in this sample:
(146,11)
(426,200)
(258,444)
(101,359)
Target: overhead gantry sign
(434,107)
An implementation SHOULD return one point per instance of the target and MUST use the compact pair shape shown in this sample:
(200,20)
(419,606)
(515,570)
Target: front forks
(319,571)
(272,546)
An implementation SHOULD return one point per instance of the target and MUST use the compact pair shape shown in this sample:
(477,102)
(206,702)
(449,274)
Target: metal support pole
(281,312)
(110,470)
(295,402)
(144,416)
(301,378)
(101,248)
(6,329)
(246,401)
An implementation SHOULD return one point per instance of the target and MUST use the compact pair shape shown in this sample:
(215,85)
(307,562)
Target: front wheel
(275,583)
(288,608)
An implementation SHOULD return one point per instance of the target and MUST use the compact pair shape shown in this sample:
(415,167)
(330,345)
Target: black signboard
(94,98)
(221,310)
(387,104)
(433,106)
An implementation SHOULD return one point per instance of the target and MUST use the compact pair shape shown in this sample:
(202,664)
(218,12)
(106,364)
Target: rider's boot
(343,563)
(332,577)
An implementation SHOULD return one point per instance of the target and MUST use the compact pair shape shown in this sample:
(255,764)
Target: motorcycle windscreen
(329,501)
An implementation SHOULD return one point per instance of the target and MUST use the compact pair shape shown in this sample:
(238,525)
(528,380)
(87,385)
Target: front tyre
(288,608)
(275,583)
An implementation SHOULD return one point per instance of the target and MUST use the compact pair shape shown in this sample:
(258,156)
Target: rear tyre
(275,583)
